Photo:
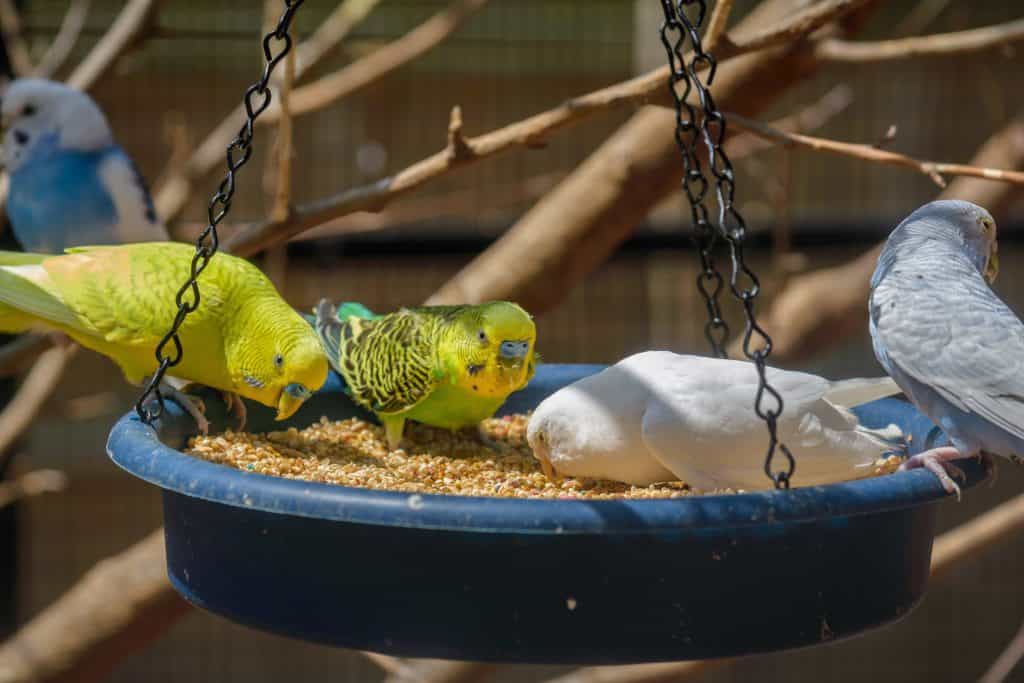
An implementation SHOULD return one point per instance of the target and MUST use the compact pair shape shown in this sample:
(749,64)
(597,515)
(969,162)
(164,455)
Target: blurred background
(509,60)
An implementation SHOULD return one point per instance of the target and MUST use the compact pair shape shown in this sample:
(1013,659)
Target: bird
(658,416)
(242,339)
(950,343)
(70,183)
(445,366)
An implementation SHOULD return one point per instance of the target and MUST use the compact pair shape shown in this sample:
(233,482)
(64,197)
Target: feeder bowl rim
(136,447)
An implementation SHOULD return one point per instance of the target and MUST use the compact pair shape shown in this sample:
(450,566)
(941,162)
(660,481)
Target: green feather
(352,309)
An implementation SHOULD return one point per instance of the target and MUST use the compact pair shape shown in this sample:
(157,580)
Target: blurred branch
(37,386)
(814,115)
(950,550)
(716,25)
(381,62)
(391,665)
(15,354)
(941,44)
(441,671)
(126,31)
(932,169)
(801,322)
(1007,660)
(527,133)
(172,196)
(578,225)
(117,607)
(919,18)
(64,42)
(32,484)
(14,42)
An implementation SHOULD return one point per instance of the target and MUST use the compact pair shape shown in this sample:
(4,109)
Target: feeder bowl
(541,581)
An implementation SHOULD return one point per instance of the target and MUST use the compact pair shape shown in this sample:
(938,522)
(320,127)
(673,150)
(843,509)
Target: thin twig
(14,42)
(284,147)
(129,27)
(938,45)
(441,671)
(378,63)
(1007,660)
(919,18)
(40,382)
(31,484)
(64,42)
(391,665)
(933,169)
(15,354)
(329,34)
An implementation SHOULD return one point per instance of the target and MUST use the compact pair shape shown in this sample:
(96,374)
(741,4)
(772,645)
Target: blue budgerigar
(70,183)
(954,348)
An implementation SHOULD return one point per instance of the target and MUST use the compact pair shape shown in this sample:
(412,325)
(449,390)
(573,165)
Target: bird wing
(136,216)
(942,326)
(388,362)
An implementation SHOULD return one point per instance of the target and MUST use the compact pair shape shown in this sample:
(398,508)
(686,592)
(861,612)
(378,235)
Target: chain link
(276,45)
(743,283)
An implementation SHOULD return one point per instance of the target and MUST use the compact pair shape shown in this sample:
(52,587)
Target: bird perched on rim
(445,366)
(660,416)
(70,183)
(243,339)
(953,346)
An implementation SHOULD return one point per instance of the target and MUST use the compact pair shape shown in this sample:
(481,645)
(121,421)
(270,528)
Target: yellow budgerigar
(243,339)
(445,366)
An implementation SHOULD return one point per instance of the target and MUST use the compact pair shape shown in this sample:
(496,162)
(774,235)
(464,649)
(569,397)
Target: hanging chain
(730,224)
(709,281)
(276,45)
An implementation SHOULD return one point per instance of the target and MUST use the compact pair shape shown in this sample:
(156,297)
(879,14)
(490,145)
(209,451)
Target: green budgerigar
(243,339)
(445,366)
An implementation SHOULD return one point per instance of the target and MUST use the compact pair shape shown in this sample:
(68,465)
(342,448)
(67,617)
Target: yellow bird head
(499,337)
(277,358)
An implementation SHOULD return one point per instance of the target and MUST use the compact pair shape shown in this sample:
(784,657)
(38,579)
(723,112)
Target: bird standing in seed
(445,366)
(955,349)
(70,183)
(658,416)
(119,301)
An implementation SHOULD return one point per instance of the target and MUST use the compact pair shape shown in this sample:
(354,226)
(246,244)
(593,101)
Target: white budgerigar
(939,330)
(660,416)
(70,183)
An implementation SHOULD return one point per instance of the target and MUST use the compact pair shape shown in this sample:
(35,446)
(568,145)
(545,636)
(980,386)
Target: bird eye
(482,336)
(278,361)
(28,110)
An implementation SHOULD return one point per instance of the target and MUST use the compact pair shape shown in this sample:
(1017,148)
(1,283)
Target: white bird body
(658,416)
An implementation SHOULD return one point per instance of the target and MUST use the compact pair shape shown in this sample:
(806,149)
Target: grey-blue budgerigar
(950,343)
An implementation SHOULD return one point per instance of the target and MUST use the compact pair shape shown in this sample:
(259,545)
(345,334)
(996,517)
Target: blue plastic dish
(543,581)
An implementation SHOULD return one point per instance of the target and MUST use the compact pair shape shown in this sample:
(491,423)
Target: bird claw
(236,406)
(937,461)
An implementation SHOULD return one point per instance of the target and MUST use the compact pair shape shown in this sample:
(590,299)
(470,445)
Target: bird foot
(236,406)
(193,405)
(938,462)
(484,438)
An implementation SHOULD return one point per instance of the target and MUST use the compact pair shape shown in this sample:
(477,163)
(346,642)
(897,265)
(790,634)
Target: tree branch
(129,27)
(37,386)
(932,169)
(32,484)
(64,42)
(716,25)
(527,133)
(10,27)
(803,323)
(1007,660)
(941,44)
(442,671)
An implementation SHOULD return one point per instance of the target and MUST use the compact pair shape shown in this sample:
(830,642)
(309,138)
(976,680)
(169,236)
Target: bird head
(275,356)
(498,336)
(38,115)
(551,433)
(963,225)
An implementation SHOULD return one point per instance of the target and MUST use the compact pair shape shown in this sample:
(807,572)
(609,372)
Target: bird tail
(328,328)
(850,393)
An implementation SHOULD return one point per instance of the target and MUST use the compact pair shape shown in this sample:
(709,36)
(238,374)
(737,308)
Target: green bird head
(498,340)
(278,356)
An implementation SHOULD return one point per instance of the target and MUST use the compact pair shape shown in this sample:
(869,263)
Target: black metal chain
(276,45)
(695,185)
(730,224)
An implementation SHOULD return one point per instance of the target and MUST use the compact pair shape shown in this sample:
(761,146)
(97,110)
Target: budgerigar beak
(992,267)
(291,399)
